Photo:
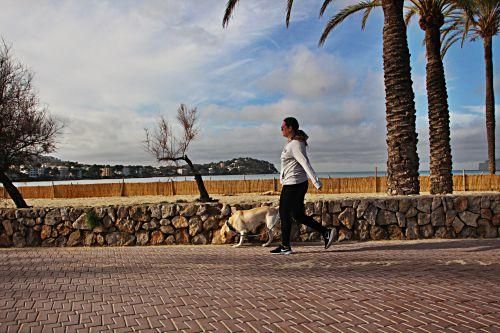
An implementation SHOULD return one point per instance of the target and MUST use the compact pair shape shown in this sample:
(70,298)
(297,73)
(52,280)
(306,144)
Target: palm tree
(481,19)
(402,164)
(434,15)
(403,161)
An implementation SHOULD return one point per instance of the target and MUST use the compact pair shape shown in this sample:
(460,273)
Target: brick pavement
(424,286)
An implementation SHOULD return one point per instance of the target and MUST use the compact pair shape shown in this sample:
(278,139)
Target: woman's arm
(298,151)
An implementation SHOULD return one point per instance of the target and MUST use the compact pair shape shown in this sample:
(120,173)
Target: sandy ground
(230,199)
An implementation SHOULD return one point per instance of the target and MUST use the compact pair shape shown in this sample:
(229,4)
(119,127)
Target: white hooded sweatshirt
(295,166)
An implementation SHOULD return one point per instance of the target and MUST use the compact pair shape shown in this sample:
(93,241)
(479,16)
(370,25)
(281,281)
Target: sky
(110,69)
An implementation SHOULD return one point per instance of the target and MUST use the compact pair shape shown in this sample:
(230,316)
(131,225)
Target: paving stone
(386,286)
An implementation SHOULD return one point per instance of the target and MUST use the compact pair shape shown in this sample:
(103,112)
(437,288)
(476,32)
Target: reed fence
(231,187)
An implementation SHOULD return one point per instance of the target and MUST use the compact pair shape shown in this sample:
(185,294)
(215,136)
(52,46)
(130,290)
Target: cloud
(110,68)
(345,120)
(309,75)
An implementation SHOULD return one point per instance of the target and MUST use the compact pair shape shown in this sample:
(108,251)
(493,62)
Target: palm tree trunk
(441,178)
(204,197)
(14,193)
(490,103)
(402,162)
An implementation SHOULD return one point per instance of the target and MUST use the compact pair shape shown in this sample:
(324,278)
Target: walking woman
(295,168)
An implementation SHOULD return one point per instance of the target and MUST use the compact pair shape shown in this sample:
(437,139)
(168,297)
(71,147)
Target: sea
(333,174)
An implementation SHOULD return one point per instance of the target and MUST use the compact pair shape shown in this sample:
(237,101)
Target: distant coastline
(333,174)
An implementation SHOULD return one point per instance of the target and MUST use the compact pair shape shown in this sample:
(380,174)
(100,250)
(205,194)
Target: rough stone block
(486,229)
(450,217)
(189,210)
(81,223)
(89,238)
(126,225)
(469,218)
(168,211)
(395,232)
(438,217)
(120,239)
(142,237)
(156,238)
(457,225)
(53,217)
(360,210)
(200,239)
(362,230)
(318,207)
(412,212)
(378,232)
(468,232)
(5,240)
(424,205)
(180,222)
(404,205)
(7,226)
(474,204)
(195,225)
(401,219)
(182,236)
(392,204)
(74,238)
(211,223)
(424,218)
(460,203)
(386,217)
(155,211)
(334,207)
(411,228)
(436,203)
(426,231)
(348,217)
(486,213)
(370,214)
(345,234)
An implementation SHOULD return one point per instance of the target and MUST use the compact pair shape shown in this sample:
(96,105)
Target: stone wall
(187,223)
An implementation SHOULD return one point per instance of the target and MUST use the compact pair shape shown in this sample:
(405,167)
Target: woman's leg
(298,211)
(288,199)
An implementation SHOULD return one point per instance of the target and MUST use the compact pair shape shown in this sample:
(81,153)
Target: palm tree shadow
(471,245)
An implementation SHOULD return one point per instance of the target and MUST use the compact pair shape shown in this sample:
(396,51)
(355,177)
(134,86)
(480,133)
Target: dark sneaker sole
(330,239)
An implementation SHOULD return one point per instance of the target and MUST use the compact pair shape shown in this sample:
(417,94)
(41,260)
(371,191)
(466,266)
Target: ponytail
(301,136)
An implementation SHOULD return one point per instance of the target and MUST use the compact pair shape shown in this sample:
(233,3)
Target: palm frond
(231,4)
(449,41)
(409,15)
(344,13)
(418,5)
(446,46)
(288,12)
(467,24)
(324,6)
(365,17)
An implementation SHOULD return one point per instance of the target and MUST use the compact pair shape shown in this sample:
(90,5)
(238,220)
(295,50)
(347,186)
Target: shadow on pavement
(474,245)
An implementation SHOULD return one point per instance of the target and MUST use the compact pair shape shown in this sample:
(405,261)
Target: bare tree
(26,129)
(165,146)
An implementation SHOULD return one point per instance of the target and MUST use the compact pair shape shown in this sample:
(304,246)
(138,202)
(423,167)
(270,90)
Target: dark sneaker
(282,250)
(329,236)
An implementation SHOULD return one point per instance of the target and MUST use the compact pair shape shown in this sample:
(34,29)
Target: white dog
(244,222)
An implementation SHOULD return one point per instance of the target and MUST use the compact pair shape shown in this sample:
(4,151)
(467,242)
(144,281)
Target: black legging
(292,206)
